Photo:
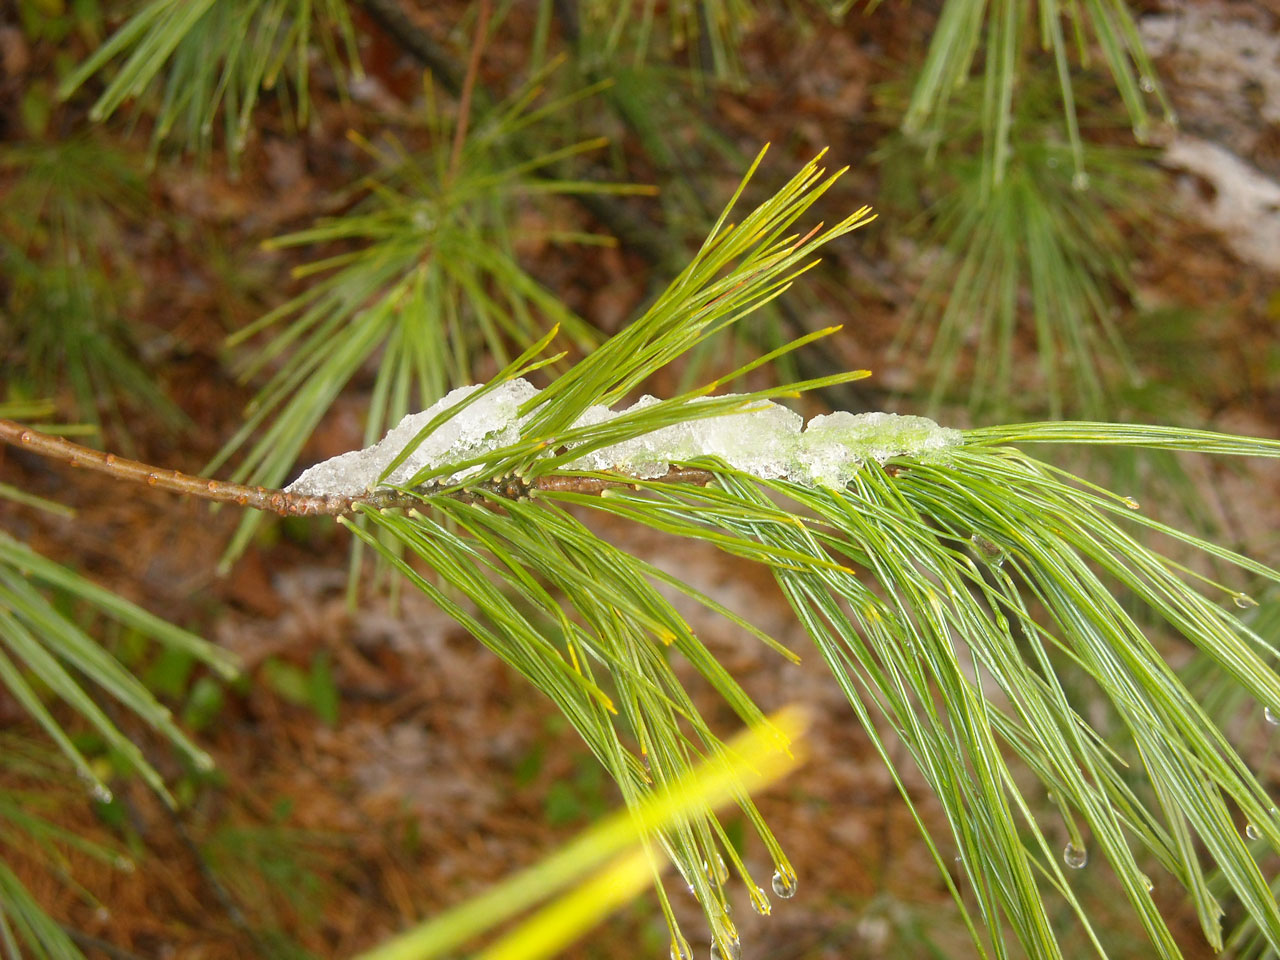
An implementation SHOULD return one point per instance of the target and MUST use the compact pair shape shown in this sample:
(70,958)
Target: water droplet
(760,902)
(989,553)
(721,873)
(124,865)
(1080,181)
(1131,503)
(1147,84)
(1252,832)
(680,949)
(731,949)
(1270,717)
(111,458)
(1243,600)
(1075,857)
(152,479)
(101,794)
(1146,881)
(685,877)
(784,882)
(25,436)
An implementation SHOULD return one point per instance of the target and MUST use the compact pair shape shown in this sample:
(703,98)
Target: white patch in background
(1245,207)
(1228,61)
(1222,63)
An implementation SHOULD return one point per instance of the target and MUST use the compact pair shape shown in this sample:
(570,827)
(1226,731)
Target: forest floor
(441,771)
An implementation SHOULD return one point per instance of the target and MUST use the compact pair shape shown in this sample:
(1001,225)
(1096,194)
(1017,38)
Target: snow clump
(765,440)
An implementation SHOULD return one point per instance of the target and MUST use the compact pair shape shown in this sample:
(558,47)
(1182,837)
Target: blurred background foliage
(234,234)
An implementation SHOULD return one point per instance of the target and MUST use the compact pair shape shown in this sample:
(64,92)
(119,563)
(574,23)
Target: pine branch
(288,504)
(469,86)
(637,233)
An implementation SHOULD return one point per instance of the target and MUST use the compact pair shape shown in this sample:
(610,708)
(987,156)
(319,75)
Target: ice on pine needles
(765,440)
(487,424)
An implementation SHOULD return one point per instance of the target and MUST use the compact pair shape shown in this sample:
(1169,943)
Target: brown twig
(469,85)
(293,504)
(595,485)
(260,498)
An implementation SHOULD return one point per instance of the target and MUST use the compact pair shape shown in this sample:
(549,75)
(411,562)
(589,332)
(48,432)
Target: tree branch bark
(292,504)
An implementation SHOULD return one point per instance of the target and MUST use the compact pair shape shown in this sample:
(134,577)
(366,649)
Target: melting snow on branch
(766,441)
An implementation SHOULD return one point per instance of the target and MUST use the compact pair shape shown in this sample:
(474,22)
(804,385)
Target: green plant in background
(1028,214)
(45,655)
(279,873)
(38,784)
(43,651)
(69,278)
(314,688)
(1005,39)
(56,20)
(193,58)
(708,31)
(433,285)
(1044,249)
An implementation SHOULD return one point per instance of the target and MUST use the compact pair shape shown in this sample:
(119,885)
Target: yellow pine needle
(561,922)
(751,761)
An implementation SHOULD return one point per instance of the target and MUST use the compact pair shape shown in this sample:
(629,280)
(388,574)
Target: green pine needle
(61,236)
(1039,253)
(431,283)
(38,643)
(709,31)
(39,785)
(1005,37)
(964,602)
(191,59)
